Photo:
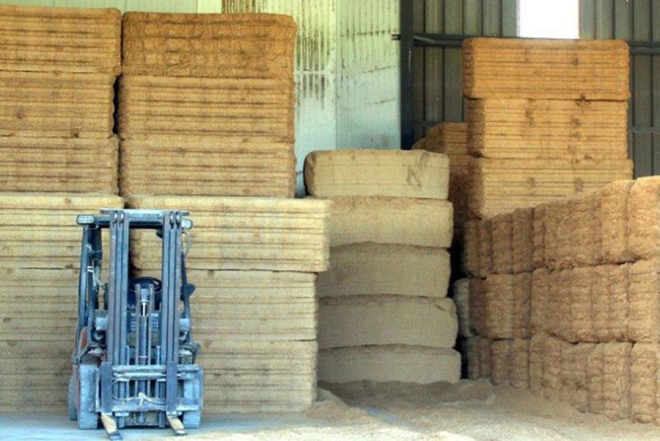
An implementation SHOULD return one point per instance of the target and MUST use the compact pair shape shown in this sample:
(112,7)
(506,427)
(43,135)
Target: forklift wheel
(191,420)
(71,401)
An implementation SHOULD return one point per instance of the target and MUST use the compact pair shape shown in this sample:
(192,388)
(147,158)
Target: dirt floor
(467,411)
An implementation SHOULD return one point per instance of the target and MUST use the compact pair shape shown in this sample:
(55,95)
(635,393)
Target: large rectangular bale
(477,305)
(548,129)
(563,257)
(550,232)
(46,39)
(386,320)
(585,236)
(601,302)
(619,287)
(387,220)
(519,373)
(233,233)
(393,173)
(450,138)
(596,379)
(257,376)
(536,357)
(522,292)
(644,382)
(616,380)
(538,255)
(581,299)
(643,215)
(522,241)
(221,107)
(499,307)
(644,301)
(208,45)
(539,301)
(470,256)
(370,269)
(485,237)
(501,185)
(575,381)
(470,354)
(461,296)
(207,165)
(546,69)
(503,243)
(485,357)
(614,221)
(410,364)
(501,365)
(59,164)
(551,383)
(51,104)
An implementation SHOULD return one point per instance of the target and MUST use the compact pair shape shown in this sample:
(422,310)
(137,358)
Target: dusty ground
(467,411)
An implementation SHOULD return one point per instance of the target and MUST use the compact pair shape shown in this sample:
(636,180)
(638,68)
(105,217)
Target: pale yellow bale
(643,215)
(614,218)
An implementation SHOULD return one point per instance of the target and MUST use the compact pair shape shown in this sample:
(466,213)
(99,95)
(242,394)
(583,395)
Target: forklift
(134,355)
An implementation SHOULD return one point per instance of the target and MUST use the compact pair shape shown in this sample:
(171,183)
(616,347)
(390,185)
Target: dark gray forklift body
(134,355)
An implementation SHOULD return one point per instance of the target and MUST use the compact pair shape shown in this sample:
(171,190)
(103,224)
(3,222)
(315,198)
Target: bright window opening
(548,18)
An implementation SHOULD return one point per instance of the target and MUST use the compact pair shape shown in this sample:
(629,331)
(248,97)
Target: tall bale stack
(546,119)
(39,263)
(212,96)
(57,71)
(451,139)
(592,309)
(254,261)
(384,314)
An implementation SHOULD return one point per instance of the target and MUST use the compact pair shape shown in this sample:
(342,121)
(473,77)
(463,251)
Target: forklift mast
(134,355)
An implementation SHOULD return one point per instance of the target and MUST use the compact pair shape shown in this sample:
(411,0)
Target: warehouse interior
(412,219)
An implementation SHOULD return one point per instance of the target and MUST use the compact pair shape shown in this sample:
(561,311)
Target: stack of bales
(57,71)
(383,311)
(212,97)
(451,139)
(38,302)
(581,324)
(546,119)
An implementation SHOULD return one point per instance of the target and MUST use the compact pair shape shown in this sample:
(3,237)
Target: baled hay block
(548,129)
(233,233)
(566,225)
(400,221)
(538,255)
(393,173)
(410,364)
(550,238)
(252,305)
(581,284)
(614,221)
(575,384)
(536,357)
(208,45)
(552,384)
(644,301)
(459,183)
(499,307)
(539,301)
(38,39)
(619,287)
(522,287)
(586,247)
(501,362)
(420,145)
(601,299)
(502,243)
(643,382)
(244,377)
(546,69)
(485,357)
(450,138)
(471,243)
(59,165)
(217,107)
(369,269)
(477,306)
(461,296)
(596,379)
(59,105)
(523,240)
(616,380)
(501,185)
(387,320)
(519,363)
(485,247)
(471,354)
(643,216)
(558,312)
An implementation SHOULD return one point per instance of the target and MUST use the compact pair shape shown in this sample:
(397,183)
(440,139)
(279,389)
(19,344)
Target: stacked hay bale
(59,156)
(546,119)
(591,300)
(451,139)
(57,71)
(383,311)
(39,264)
(212,96)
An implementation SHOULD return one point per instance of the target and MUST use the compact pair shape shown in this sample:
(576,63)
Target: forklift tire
(192,420)
(71,399)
